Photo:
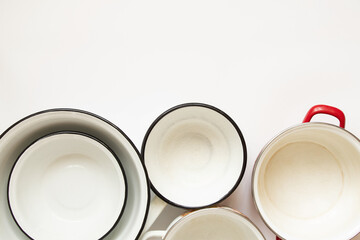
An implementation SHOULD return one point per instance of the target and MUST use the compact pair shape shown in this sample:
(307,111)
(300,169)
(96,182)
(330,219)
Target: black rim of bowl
(203,105)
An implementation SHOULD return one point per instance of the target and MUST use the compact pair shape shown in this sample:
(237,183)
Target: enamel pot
(306,181)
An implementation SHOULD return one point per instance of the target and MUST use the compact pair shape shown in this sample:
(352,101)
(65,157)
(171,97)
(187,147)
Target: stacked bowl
(73,175)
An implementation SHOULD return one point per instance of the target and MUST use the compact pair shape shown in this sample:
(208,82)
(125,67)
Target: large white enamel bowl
(16,138)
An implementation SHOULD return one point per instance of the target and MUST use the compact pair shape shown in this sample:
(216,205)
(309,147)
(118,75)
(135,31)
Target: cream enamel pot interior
(195,156)
(209,224)
(67,185)
(306,181)
(16,138)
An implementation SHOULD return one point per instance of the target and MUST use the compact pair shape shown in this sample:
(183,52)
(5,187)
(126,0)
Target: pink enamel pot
(306,181)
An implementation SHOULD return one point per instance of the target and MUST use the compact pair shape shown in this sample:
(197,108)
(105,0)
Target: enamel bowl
(24,132)
(68,185)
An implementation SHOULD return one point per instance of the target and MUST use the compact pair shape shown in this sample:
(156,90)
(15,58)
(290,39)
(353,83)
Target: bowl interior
(70,184)
(214,224)
(308,178)
(195,156)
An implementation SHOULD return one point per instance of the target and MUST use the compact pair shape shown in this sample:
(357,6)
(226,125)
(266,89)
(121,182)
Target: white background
(265,63)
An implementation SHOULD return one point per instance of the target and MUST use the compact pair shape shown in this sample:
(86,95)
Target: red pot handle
(333,111)
(277,238)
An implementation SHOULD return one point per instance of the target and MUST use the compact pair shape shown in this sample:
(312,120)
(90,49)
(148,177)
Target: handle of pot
(333,111)
(157,205)
(153,234)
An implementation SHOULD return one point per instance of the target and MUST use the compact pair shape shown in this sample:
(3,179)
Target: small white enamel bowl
(67,185)
(209,224)
(195,155)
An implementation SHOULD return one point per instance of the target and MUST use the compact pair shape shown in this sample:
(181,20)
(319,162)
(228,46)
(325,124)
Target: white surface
(69,184)
(308,178)
(265,63)
(194,156)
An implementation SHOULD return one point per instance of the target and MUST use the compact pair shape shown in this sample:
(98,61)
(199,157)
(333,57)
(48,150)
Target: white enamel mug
(195,156)
(209,224)
(306,181)
(67,185)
